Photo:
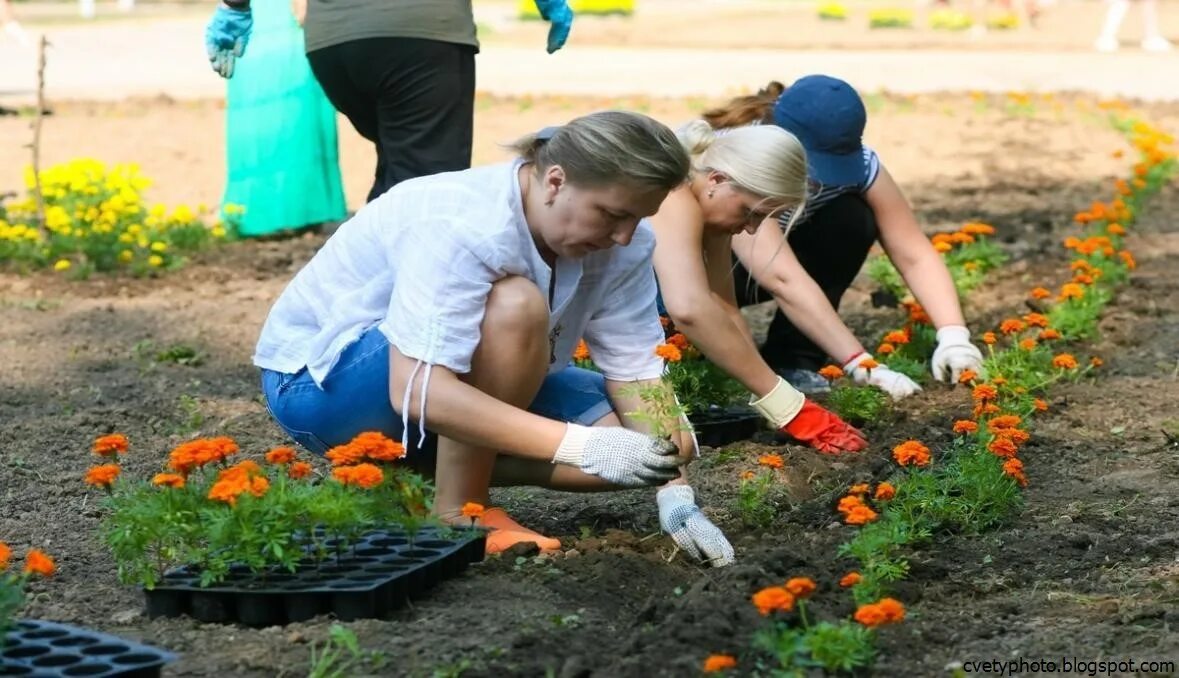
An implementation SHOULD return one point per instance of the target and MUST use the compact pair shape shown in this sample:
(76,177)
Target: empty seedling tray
(41,649)
(720,426)
(365,580)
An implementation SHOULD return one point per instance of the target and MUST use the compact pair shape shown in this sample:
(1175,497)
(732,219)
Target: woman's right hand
(619,455)
(894,383)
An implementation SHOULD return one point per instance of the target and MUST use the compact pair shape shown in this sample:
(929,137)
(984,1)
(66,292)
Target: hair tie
(547,133)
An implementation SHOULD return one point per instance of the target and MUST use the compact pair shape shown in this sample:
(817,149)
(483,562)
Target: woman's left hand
(955,354)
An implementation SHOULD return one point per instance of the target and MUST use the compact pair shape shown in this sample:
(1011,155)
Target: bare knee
(516,305)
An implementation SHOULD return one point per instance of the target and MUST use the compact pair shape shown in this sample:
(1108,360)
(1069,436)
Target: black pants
(832,246)
(413,98)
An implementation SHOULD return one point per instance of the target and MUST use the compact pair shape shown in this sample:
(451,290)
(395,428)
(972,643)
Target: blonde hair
(764,160)
(609,147)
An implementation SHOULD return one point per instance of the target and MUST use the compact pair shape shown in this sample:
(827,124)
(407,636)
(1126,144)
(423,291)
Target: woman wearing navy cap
(853,202)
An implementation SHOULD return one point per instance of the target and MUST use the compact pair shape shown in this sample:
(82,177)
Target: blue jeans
(354,398)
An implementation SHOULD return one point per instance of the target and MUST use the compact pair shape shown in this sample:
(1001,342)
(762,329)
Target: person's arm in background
(926,274)
(227,34)
(770,261)
(718,258)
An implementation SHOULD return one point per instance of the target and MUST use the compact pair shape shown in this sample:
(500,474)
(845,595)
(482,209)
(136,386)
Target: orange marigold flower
(1071,291)
(366,476)
(1002,447)
(1064,361)
(984,408)
(243,470)
(978,228)
(773,599)
(970,266)
(859,489)
(965,426)
(582,350)
(1128,260)
(850,579)
(1014,468)
(719,662)
(1072,242)
(848,503)
(940,237)
(917,314)
(1015,435)
(893,610)
(1096,362)
(984,392)
(885,349)
(1115,229)
(111,445)
(1040,293)
(102,476)
(1011,326)
(259,485)
(1036,320)
(748,475)
(801,587)
(942,247)
(911,452)
(831,372)
(679,341)
(473,510)
(377,446)
(37,562)
(1049,334)
(669,353)
(961,238)
(1027,344)
(1005,421)
(1083,279)
(860,515)
(1040,404)
(345,455)
(989,338)
(998,380)
(868,364)
(870,615)
(967,376)
(222,448)
(897,337)
(1079,265)
(299,470)
(281,455)
(5,556)
(771,460)
(228,489)
(884,492)
(173,480)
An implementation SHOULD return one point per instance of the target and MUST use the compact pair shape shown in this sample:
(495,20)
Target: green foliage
(700,384)
(757,500)
(341,656)
(798,650)
(659,411)
(12,599)
(858,404)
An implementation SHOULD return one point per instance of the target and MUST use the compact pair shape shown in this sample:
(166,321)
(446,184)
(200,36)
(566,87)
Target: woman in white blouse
(451,306)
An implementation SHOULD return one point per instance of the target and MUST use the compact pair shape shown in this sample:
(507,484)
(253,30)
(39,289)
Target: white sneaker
(1106,44)
(1156,44)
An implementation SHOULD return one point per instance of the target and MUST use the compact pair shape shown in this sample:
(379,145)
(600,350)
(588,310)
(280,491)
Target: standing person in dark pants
(402,72)
(853,202)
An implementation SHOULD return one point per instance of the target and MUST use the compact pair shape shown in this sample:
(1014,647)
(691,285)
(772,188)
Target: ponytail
(746,110)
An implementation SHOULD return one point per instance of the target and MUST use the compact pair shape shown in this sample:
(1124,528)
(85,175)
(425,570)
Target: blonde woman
(853,203)
(445,313)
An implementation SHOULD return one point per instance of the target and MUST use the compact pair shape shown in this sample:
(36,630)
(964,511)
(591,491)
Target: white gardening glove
(689,528)
(894,383)
(955,353)
(619,455)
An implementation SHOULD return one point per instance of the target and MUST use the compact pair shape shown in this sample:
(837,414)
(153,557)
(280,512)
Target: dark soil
(1089,569)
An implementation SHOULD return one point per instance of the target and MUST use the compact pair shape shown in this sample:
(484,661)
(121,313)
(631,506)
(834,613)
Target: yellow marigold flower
(155,261)
(158,246)
(62,265)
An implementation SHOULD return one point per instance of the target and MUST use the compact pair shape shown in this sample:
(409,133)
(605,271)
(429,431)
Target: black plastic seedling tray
(721,426)
(39,649)
(365,580)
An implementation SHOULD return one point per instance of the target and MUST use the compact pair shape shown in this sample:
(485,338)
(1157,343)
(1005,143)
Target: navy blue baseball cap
(828,117)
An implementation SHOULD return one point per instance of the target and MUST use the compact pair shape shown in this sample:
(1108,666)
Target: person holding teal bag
(402,72)
(281,140)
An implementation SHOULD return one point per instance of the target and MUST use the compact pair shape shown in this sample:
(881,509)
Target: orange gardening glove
(824,431)
(791,413)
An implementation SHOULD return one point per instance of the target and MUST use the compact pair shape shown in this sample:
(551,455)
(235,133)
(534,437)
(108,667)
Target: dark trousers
(832,246)
(414,99)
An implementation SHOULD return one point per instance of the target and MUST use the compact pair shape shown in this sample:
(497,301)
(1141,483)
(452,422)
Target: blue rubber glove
(226,37)
(560,18)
